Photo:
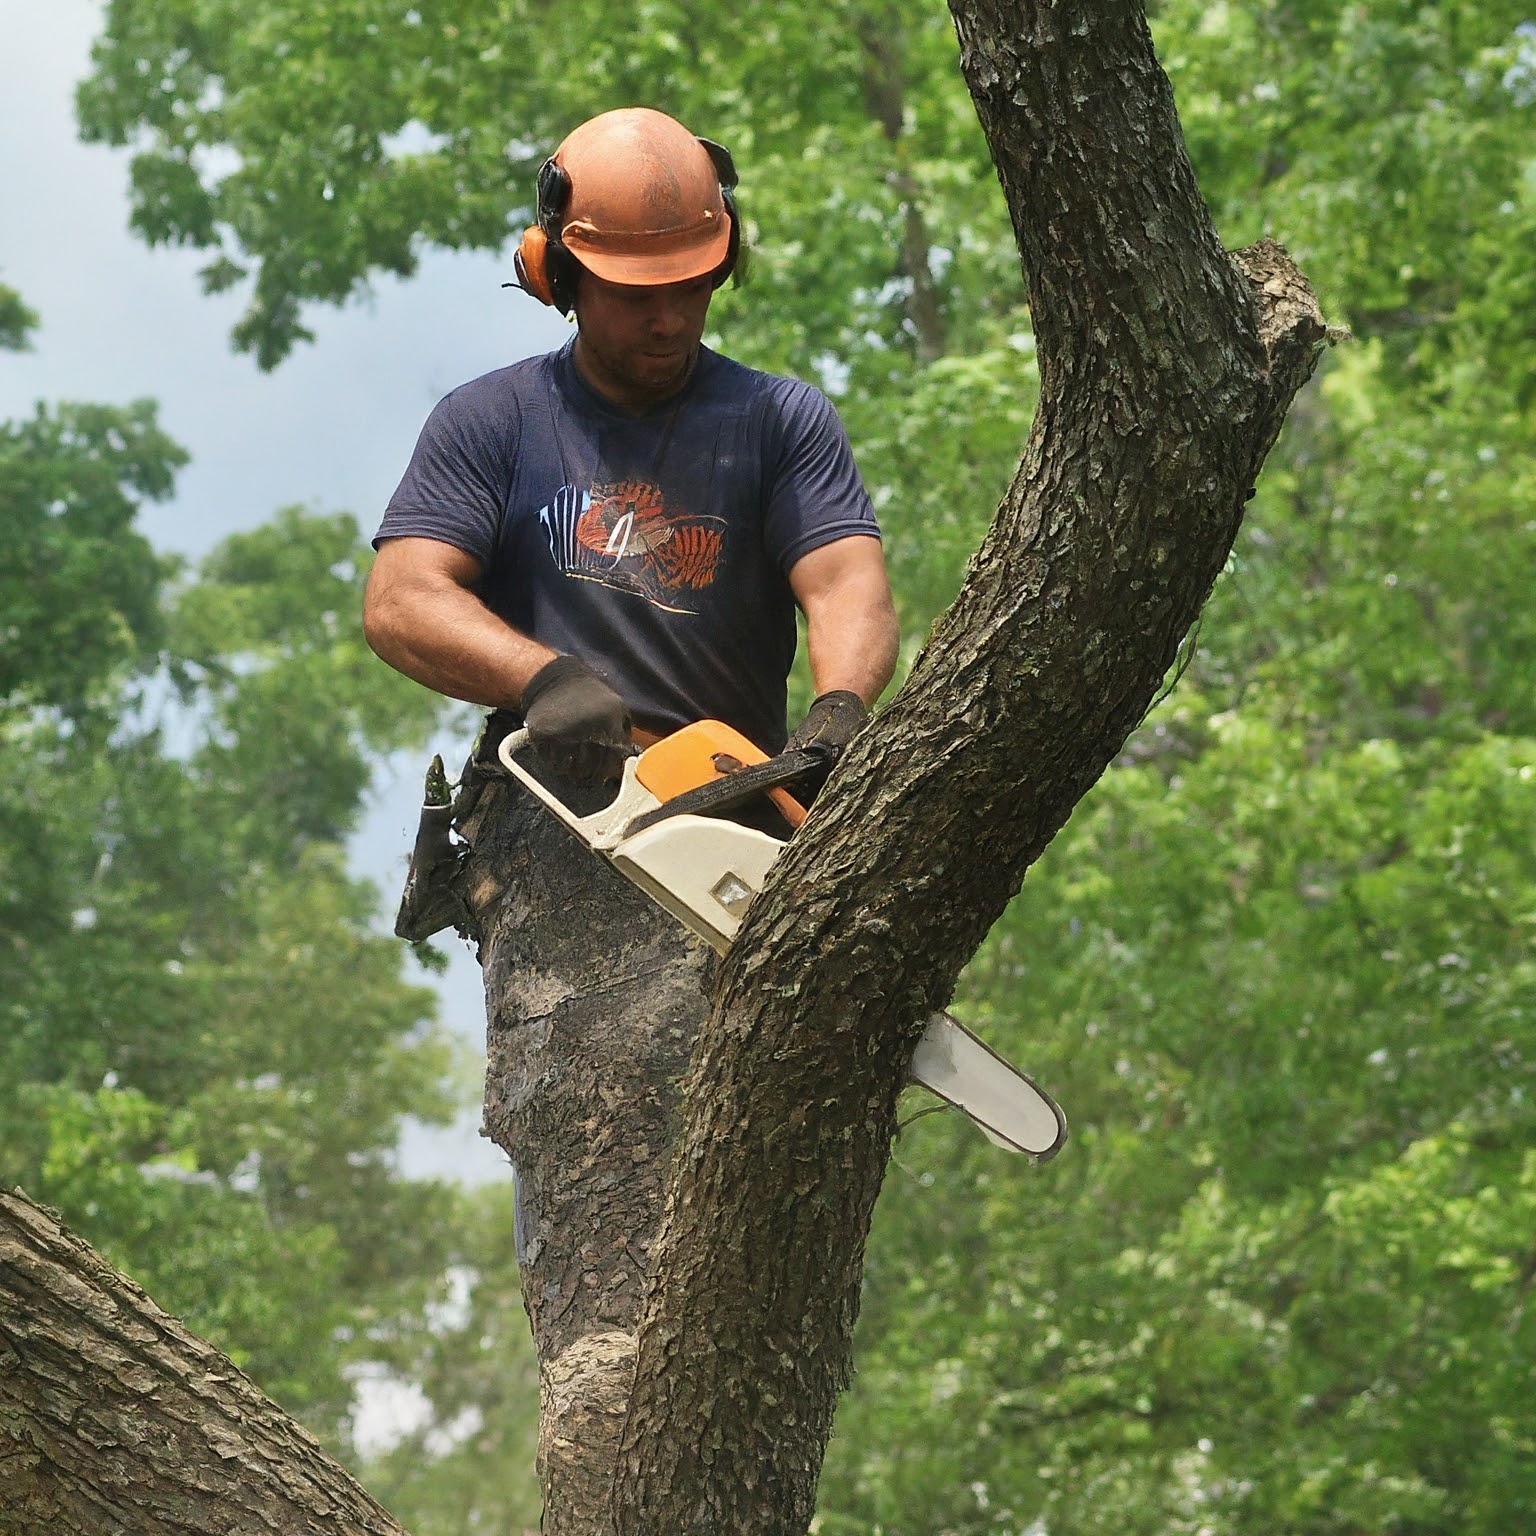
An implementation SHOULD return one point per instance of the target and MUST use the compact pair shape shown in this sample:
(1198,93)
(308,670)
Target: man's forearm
(853,645)
(861,663)
(852,637)
(480,659)
(443,636)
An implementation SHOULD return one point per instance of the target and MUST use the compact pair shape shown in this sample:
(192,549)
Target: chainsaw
(704,869)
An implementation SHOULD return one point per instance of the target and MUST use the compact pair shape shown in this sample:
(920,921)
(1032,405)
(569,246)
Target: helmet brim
(650,260)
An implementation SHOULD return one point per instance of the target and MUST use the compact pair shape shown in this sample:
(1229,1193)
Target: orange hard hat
(646,203)
(635,198)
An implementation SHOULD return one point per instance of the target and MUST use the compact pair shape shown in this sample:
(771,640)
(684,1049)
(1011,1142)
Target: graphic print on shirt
(622,536)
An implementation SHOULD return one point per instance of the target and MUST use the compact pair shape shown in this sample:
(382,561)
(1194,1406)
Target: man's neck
(631,396)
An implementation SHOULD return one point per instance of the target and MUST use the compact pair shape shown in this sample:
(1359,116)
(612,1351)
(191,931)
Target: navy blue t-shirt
(655,547)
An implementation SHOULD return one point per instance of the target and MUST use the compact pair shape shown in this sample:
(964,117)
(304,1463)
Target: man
(612,539)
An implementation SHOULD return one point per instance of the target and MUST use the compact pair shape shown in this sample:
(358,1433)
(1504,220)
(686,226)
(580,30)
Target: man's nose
(665,318)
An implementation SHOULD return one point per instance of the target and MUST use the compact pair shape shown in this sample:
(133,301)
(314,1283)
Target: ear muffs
(529,261)
(545,269)
(725,169)
(543,265)
(727,268)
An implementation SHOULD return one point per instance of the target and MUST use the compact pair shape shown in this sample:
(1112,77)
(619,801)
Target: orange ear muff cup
(532,265)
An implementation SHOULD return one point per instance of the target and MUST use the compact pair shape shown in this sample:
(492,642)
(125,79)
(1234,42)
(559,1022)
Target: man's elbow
(383,620)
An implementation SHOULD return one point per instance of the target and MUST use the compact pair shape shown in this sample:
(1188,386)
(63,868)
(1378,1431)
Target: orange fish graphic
(624,519)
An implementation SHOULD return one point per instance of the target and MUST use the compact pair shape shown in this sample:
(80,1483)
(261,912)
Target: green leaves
(206,1049)
(313,146)
(1278,1279)
(79,587)
(1278,966)
(269,643)
(1380,143)
(17,321)
(469,1464)
(115,1163)
(284,134)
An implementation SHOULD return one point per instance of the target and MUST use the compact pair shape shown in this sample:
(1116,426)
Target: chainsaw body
(704,870)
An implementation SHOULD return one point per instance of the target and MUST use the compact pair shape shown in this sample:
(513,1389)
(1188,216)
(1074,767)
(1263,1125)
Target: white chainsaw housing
(702,870)
(705,871)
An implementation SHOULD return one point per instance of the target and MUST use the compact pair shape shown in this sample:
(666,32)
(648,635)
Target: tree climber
(604,542)
(611,539)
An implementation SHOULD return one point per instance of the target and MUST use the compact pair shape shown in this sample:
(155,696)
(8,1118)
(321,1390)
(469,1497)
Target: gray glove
(830,722)
(578,724)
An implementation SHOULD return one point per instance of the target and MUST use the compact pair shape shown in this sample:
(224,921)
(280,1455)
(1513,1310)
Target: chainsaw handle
(638,804)
(602,829)
(506,751)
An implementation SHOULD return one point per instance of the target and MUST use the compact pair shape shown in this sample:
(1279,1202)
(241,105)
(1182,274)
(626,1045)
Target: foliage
(206,1048)
(307,147)
(469,1466)
(1277,967)
(79,586)
(1278,1279)
(1389,144)
(17,321)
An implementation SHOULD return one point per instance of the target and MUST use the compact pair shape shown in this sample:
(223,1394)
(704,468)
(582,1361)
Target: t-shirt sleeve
(454,488)
(814,494)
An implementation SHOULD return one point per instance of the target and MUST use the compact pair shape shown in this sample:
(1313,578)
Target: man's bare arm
(852,637)
(422,614)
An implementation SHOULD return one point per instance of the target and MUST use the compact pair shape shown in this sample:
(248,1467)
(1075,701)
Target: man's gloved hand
(578,724)
(830,722)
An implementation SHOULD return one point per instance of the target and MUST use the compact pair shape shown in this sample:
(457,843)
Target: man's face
(637,345)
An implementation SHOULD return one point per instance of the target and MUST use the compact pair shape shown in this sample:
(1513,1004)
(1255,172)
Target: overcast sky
(331,428)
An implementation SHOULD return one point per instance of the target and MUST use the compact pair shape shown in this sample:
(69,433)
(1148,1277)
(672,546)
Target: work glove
(576,722)
(831,723)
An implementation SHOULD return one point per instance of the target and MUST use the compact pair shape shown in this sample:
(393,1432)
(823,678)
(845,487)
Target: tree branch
(885,95)
(114,1418)
(1166,370)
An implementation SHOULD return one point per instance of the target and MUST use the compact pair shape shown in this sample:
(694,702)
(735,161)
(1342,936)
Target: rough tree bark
(1166,370)
(1167,367)
(115,1421)
(691,1256)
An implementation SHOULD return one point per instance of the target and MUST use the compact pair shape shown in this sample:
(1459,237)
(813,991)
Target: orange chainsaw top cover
(686,759)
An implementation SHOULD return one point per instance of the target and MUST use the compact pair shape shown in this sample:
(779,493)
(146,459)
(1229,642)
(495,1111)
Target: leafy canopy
(206,1045)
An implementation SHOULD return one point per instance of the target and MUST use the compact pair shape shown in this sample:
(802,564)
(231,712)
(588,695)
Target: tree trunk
(115,1421)
(594,998)
(880,36)
(1166,370)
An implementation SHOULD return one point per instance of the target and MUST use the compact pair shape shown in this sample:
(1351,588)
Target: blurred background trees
(208,1047)
(1278,966)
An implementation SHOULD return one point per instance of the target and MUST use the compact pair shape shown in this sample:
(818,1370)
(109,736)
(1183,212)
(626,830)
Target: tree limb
(1165,374)
(114,1418)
